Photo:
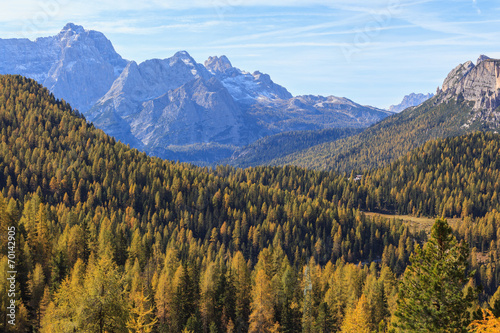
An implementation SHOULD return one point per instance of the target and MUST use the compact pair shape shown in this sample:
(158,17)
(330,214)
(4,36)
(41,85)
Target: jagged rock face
(245,88)
(77,65)
(174,101)
(149,80)
(409,101)
(480,85)
(27,58)
(199,111)
(457,74)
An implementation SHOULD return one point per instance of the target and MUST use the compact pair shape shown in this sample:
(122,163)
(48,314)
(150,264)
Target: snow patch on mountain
(243,86)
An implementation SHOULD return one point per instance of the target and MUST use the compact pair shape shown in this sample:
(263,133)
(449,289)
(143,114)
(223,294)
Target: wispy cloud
(403,45)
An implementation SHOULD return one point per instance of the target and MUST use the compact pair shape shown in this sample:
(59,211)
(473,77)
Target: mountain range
(173,108)
(468,101)
(409,101)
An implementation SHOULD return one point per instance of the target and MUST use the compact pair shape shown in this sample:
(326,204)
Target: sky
(371,51)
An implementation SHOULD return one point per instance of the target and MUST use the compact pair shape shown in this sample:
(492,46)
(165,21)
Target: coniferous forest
(108,239)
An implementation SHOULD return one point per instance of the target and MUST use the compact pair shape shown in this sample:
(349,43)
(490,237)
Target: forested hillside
(270,148)
(387,140)
(109,239)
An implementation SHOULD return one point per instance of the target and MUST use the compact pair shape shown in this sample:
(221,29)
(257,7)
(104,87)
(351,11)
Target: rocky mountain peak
(479,85)
(457,74)
(183,56)
(217,64)
(77,65)
(243,86)
(72,28)
(482,57)
(264,78)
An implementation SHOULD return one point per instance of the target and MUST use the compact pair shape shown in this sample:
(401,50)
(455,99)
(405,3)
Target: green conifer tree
(431,296)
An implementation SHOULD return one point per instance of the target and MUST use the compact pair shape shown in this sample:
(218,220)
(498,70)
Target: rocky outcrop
(481,58)
(479,84)
(456,75)
(219,65)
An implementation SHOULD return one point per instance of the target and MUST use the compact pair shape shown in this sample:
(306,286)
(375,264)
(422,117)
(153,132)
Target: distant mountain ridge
(409,101)
(468,101)
(243,86)
(175,106)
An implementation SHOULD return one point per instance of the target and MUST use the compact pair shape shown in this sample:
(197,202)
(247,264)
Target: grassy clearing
(415,223)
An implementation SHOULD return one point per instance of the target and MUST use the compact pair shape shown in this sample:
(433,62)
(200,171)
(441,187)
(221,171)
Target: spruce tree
(431,296)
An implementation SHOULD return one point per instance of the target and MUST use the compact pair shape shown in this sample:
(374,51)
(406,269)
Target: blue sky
(373,52)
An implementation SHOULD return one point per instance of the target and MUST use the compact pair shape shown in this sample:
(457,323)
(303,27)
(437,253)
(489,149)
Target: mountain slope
(466,103)
(91,214)
(466,182)
(269,148)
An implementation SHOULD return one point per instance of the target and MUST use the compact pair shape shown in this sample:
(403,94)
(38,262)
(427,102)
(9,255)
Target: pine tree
(431,296)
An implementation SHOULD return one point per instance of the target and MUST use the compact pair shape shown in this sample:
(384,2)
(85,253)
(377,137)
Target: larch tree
(242,295)
(358,320)
(262,316)
(142,319)
(489,323)
(103,307)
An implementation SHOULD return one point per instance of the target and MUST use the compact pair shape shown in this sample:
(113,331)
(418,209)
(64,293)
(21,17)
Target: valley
(170,107)
(174,196)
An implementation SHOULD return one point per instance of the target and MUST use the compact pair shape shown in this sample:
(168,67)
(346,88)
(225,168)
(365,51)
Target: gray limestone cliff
(77,65)
(478,85)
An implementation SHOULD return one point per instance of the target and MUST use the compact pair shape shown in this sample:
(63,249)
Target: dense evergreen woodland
(108,239)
